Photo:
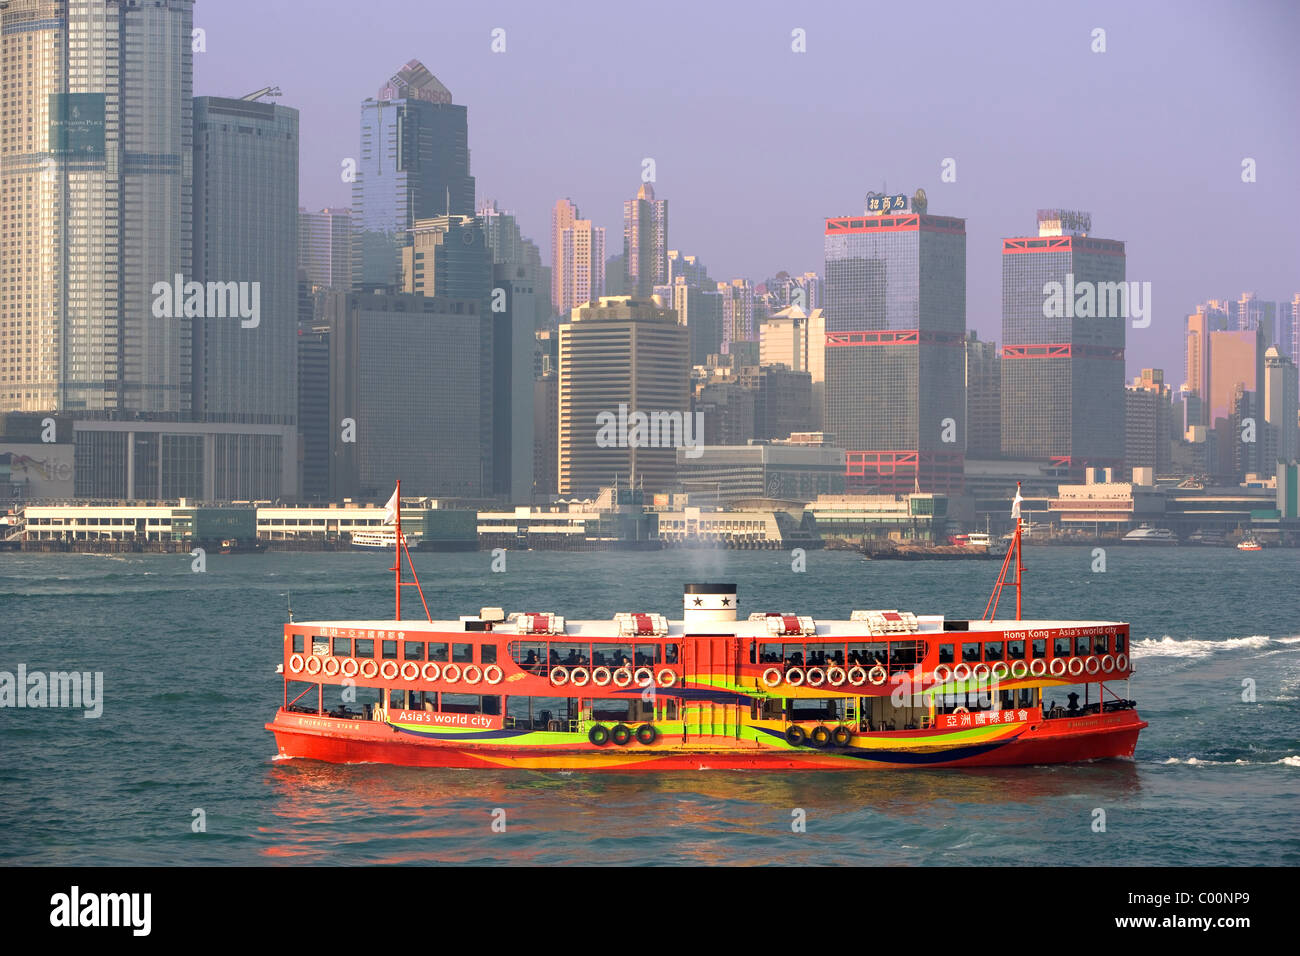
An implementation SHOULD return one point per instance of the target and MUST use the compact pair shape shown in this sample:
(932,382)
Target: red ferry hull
(1063,740)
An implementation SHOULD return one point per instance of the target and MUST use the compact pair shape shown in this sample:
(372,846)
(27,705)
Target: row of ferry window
(538,655)
(892,654)
(439,652)
(1081,646)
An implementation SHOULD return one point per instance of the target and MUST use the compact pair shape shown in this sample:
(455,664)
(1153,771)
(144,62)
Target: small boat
(1249,543)
(1149,535)
(381,540)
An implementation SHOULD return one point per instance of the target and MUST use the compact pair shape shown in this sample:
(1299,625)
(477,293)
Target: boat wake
(1194,648)
(1292,760)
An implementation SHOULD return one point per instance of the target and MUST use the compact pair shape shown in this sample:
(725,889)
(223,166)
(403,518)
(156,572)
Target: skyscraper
(645,241)
(798,341)
(895,311)
(246,235)
(1148,427)
(737,313)
(414,164)
(448,257)
(95,197)
(1063,368)
(404,373)
(578,276)
(1281,398)
(983,399)
(325,248)
(621,357)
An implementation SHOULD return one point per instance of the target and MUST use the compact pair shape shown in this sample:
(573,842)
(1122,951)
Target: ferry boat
(1149,535)
(886,689)
(380,540)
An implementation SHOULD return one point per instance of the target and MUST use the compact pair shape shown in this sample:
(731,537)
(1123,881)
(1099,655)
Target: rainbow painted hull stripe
(754,746)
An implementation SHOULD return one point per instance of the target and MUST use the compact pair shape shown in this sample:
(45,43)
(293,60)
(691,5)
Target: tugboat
(886,689)
(1249,543)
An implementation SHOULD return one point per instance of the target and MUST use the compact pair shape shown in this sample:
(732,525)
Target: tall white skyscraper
(645,241)
(95,197)
(579,256)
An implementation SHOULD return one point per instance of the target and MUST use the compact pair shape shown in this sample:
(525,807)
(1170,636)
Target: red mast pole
(397,549)
(1020,568)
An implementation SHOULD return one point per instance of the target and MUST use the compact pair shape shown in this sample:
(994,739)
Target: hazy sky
(755,145)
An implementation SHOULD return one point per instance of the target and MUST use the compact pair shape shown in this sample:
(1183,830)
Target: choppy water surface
(189,660)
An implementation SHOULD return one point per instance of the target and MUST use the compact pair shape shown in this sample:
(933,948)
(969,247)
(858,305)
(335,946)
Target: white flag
(390,509)
(1015,505)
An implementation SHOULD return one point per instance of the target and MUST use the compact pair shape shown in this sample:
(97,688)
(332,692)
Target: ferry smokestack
(705,604)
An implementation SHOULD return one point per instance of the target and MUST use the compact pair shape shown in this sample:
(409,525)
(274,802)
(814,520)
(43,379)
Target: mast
(397,550)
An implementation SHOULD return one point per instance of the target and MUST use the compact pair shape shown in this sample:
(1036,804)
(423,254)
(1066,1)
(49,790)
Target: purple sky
(755,144)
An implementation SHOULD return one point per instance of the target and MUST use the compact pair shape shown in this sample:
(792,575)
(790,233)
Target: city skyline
(743,70)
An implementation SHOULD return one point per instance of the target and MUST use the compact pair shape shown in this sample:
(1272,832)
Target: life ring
(622,677)
(410,670)
(1076,666)
(1019,669)
(942,674)
(295,663)
(960,710)
(621,735)
(980,671)
(820,737)
(961,671)
(877,675)
(451,673)
(835,675)
(350,667)
(431,672)
(579,677)
(1054,670)
(1092,665)
(771,677)
(795,736)
(794,676)
(493,674)
(313,665)
(598,735)
(472,673)
(667,676)
(646,734)
(330,666)
(601,676)
(1108,663)
(816,676)
(1038,667)
(644,677)
(1000,670)
(388,670)
(559,676)
(857,675)
(369,668)
(1121,662)
(842,736)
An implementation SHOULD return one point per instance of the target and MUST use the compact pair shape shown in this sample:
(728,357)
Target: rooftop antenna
(264,91)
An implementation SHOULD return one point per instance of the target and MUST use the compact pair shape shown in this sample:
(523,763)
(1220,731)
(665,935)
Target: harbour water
(188,662)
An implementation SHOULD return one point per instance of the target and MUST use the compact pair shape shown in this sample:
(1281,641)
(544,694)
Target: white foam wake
(1289,761)
(1194,648)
